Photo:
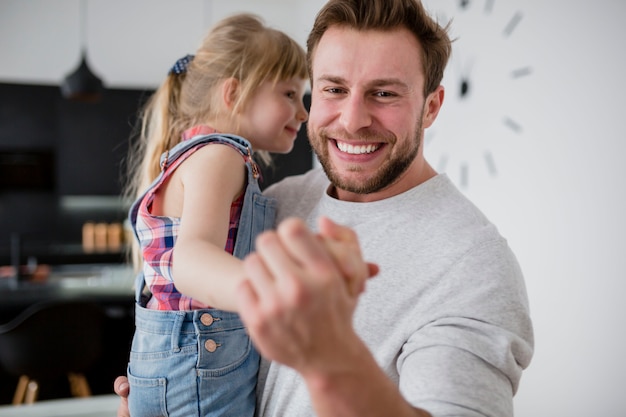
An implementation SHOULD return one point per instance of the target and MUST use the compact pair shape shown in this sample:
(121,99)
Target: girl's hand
(343,245)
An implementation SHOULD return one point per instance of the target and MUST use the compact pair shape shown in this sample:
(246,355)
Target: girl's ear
(230,92)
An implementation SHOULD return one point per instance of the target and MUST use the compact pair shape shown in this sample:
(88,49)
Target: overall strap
(170,157)
(239,143)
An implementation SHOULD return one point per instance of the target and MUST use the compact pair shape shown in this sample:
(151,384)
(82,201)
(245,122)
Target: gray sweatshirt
(447,318)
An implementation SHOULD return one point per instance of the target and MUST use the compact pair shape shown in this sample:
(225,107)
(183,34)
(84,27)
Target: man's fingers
(247,302)
(331,229)
(121,388)
(343,244)
(372,269)
(350,265)
(260,285)
(299,248)
(246,296)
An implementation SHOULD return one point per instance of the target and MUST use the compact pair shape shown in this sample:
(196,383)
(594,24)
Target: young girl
(197,204)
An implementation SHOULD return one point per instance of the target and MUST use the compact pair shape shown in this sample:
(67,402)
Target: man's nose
(355,114)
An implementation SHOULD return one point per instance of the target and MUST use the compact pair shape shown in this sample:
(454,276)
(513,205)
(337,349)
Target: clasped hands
(301,292)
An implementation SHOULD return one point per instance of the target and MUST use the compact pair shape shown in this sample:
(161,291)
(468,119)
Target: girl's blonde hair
(240,47)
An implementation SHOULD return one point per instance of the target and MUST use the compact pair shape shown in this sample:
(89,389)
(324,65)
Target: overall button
(206,319)
(211,346)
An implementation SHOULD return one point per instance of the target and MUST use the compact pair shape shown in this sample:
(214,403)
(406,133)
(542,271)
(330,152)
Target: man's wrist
(358,387)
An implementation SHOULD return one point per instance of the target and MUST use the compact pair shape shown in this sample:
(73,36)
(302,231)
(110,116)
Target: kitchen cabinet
(108,285)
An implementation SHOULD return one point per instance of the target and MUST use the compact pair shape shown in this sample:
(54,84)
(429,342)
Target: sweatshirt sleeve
(467,358)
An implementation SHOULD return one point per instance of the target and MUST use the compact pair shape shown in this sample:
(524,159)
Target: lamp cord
(83,26)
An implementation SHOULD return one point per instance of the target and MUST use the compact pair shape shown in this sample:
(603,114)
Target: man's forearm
(362,390)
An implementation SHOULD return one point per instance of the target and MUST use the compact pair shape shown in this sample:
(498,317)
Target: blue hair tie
(181,65)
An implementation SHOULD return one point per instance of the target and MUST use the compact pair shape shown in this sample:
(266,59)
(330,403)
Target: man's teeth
(356,150)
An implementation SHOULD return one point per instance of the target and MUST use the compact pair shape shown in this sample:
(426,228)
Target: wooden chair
(50,340)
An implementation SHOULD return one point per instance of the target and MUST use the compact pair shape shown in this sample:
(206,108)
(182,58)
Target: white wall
(560,191)
(558,195)
(129,43)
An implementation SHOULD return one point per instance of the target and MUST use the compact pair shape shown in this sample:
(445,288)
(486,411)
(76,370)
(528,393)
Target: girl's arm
(206,183)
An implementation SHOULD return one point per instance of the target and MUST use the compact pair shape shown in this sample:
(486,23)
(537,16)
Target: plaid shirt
(157,236)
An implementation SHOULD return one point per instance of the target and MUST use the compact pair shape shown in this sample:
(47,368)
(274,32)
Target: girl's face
(273,115)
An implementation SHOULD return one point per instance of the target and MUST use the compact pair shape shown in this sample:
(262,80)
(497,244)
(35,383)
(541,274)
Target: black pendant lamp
(82,84)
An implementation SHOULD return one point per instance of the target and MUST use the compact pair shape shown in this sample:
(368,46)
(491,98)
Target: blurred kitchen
(538,144)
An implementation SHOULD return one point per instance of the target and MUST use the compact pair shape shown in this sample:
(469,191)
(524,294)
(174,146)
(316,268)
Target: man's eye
(334,90)
(383,94)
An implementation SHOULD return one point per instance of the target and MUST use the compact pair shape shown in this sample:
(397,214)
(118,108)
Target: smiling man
(444,329)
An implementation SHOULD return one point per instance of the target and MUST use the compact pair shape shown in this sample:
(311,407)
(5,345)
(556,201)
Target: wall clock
(485,82)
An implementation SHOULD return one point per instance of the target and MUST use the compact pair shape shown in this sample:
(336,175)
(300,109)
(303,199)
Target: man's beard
(388,172)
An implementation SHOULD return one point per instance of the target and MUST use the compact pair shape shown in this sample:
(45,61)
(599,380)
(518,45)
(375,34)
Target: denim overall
(200,362)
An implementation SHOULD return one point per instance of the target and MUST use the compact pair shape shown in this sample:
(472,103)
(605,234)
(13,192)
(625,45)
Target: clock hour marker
(465,88)
(513,125)
(491,165)
(521,72)
(510,27)
(463,4)
(489,6)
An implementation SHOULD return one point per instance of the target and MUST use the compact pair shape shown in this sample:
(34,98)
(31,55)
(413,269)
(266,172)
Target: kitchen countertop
(99,282)
(96,406)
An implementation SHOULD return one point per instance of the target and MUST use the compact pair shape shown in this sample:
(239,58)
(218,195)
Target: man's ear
(432,106)
(230,92)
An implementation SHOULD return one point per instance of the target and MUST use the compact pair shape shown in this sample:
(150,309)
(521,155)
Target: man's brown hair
(387,15)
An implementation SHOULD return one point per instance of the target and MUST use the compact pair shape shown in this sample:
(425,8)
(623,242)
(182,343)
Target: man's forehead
(375,57)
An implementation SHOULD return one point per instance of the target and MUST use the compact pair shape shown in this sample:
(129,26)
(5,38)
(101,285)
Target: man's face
(367,110)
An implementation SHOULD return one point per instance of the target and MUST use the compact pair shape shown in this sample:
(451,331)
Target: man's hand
(121,388)
(298,302)
(343,245)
